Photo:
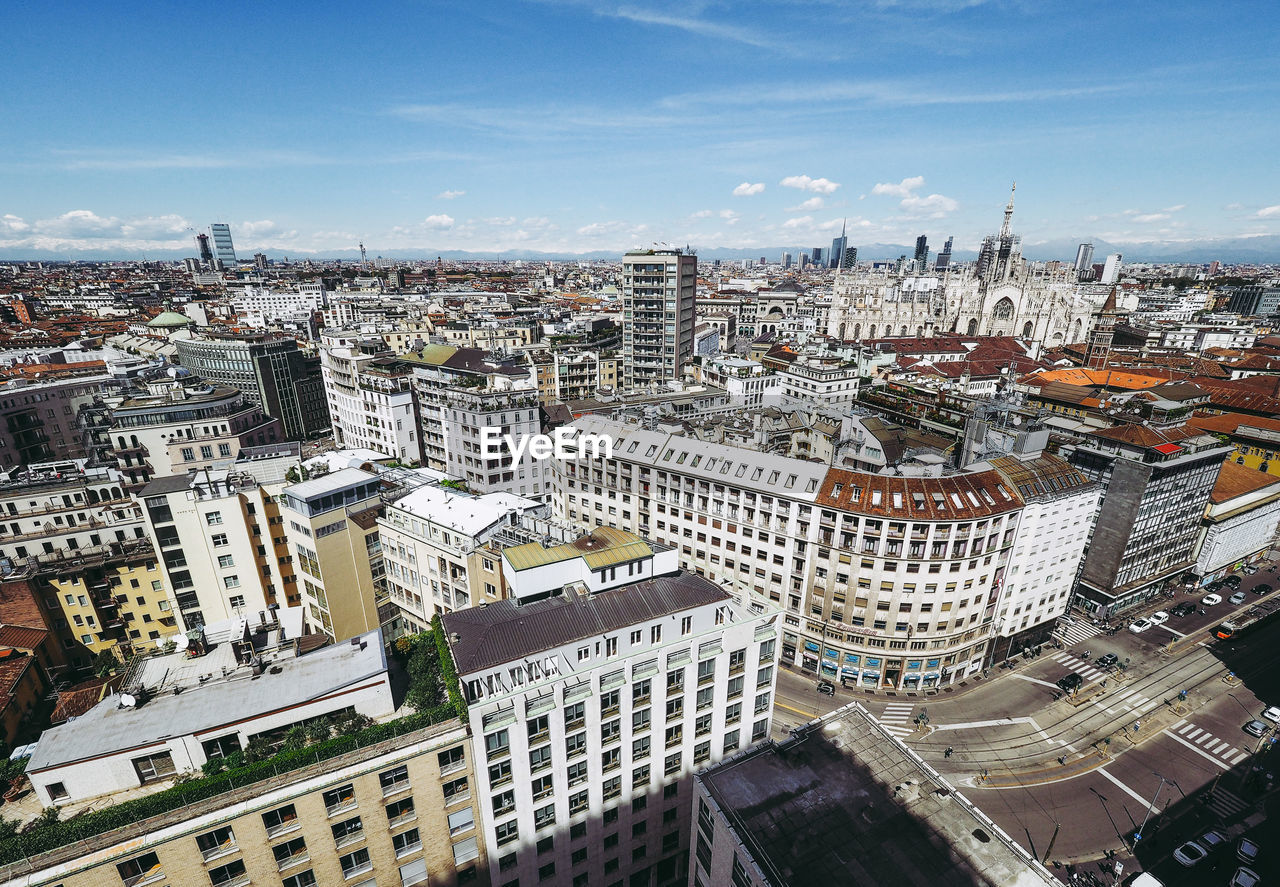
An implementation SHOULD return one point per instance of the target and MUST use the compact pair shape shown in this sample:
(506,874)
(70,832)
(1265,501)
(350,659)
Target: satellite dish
(180,641)
(127,700)
(1017,420)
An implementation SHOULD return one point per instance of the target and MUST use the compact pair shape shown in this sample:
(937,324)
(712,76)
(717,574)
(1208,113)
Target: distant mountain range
(1259,250)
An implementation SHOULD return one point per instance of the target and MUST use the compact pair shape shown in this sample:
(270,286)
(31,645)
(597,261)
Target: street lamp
(1137,836)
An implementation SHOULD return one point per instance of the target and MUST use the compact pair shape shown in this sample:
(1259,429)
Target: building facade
(658,294)
(372,402)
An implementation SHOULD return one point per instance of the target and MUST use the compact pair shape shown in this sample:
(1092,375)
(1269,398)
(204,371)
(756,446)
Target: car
(1232,580)
(1256,728)
(1109,660)
(1070,682)
(1262,588)
(1248,851)
(1245,877)
(1272,714)
(1250,570)
(1212,840)
(1159,617)
(1140,625)
(826,688)
(1237,598)
(1186,608)
(1215,586)
(1211,598)
(1190,853)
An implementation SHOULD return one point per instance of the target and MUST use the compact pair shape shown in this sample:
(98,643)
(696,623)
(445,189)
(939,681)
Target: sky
(574,125)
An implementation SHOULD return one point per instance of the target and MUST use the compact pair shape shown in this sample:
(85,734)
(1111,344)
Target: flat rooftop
(602,547)
(846,803)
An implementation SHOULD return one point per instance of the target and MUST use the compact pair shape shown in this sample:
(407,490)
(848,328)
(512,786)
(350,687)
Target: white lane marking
(1238,758)
(1171,631)
(969,725)
(1208,736)
(1200,752)
(1193,734)
(1120,785)
(1220,746)
(1037,681)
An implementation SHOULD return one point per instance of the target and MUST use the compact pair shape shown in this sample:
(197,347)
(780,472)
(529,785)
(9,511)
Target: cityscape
(419,428)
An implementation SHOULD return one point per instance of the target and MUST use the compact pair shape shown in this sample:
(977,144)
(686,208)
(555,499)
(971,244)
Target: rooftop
(845,803)
(485,637)
(603,547)
(462,512)
(1236,480)
(330,483)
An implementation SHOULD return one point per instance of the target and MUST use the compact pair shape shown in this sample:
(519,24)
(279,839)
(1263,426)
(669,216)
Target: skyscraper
(202,244)
(1111,271)
(658,288)
(817,256)
(850,258)
(786,260)
(922,252)
(944,257)
(838,246)
(1084,256)
(224,250)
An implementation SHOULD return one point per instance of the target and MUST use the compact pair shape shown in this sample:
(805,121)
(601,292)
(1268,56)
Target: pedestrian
(947,753)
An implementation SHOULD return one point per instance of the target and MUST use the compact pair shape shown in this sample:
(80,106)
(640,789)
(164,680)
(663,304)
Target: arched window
(1027,329)
(871,334)
(1003,309)
(973,327)
(857,331)
(840,333)
(904,332)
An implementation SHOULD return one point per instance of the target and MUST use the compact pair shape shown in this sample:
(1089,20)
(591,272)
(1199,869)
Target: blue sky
(571,125)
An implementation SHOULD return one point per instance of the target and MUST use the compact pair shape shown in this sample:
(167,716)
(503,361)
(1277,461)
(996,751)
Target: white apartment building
(464,416)
(590,712)
(261,304)
(371,397)
(440,549)
(1240,522)
(821,382)
(747,382)
(658,293)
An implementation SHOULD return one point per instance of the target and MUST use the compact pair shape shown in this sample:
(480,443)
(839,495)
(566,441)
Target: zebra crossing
(1077,632)
(1199,738)
(895,717)
(1080,666)
(1131,701)
(1226,804)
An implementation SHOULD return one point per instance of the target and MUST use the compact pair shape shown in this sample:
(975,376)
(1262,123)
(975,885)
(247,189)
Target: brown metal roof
(504,631)
(958,497)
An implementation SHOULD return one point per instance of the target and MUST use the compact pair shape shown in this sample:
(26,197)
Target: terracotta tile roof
(22,637)
(958,497)
(1230,423)
(1236,480)
(75,701)
(1127,380)
(1145,436)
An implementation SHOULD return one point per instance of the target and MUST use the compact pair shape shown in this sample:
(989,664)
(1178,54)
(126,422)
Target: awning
(912,677)
(931,674)
(849,672)
(828,668)
(811,646)
(831,654)
(871,674)
(851,657)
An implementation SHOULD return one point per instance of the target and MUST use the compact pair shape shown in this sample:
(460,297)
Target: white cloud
(703,214)
(810,204)
(11,224)
(747,189)
(1151,217)
(799,222)
(502,221)
(805,183)
(1269,212)
(438,222)
(449,195)
(902,189)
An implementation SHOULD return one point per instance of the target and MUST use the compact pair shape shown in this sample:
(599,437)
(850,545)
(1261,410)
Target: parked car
(1159,617)
(1237,598)
(1109,660)
(1212,840)
(1140,625)
(1186,608)
(1245,877)
(1070,682)
(1262,588)
(1256,728)
(1248,851)
(1272,714)
(1250,570)
(1190,853)
(1211,598)
(1232,580)
(826,688)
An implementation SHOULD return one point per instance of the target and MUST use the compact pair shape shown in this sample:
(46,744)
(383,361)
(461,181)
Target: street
(1085,770)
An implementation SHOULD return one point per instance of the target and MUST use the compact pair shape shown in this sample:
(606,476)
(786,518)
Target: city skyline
(572,127)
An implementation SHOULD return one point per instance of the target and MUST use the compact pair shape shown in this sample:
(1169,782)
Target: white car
(1160,617)
(1272,714)
(1139,625)
(1211,598)
(1190,853)
(1245,877)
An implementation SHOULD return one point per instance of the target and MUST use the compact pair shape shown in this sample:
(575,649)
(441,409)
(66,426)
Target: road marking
(1193,734)
(1002,722)
(1037,681)
(1203,738)
(1201,752)
(1171,631)
(1120,785)
(807,715)
(1061,656)
(1221,745)
(1238,758)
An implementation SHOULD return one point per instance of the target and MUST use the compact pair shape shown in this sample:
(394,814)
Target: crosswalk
(895,718)
(1226,804)
(1080,666)
(1204,741)
(1077,632)
(1132,701)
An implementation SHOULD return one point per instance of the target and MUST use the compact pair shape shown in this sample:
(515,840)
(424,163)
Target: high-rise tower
(1084,257)
(658,288)
(202,244)
(944,257)
(838,247)
(223,249)
(1100,336)
(922,252)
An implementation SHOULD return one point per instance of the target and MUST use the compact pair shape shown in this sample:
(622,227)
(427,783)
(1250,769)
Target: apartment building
(747,383)
(400,811)
(330,524)
(441,549)
(512,416)
(173,428)
(371,397)
(658,294)
(590,711)
(39,411)
(581,374)
(1240,521)
(222,544)
(48,508)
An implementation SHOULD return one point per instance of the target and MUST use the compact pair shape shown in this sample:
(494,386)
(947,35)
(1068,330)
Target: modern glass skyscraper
(223,249)
(838,247)
(922,252)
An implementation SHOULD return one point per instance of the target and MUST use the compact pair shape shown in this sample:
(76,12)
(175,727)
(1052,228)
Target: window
(463,851)
(506,832)
(280,820)
(542,787)
(640,720)
(226,560)
(574,715)
(215,843)
(544,817)
(539,758)
(547,872)
(356,863)
(400,811)
(455,791)
(348,831)
(546,845)
(504,802)
(452,759)
(414,872)
(406,842)
(153,768)
(140,870)
(538,728)
(499,773)
(229,875)
(213,518)
(302,879)
(232,581)
(218,540)
(394,780)
(730,741)
(578,803)
(338,799)
(290,853)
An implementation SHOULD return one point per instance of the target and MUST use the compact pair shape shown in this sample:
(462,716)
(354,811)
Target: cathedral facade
(999,295)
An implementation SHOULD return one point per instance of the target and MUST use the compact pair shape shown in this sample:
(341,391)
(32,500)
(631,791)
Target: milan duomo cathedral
(999,295)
